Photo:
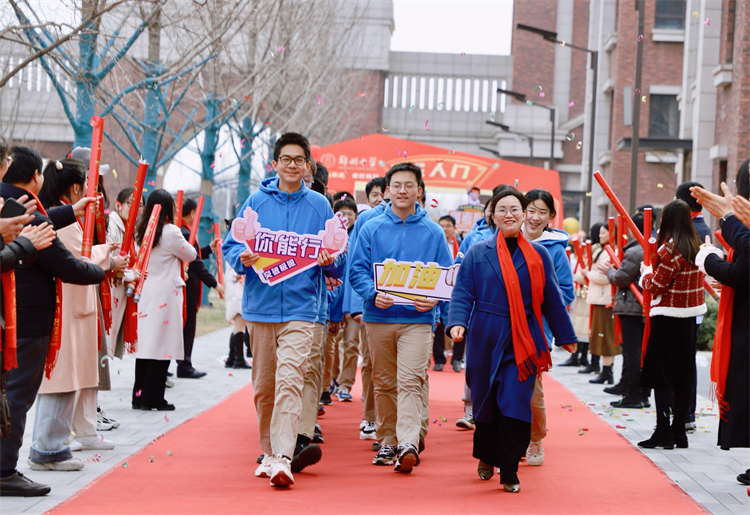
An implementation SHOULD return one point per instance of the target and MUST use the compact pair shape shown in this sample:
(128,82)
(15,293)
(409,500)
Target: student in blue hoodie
(280,318)
(539,212)
(400,336)
(377,198)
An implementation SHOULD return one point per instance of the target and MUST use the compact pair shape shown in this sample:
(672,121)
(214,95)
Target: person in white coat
(160,306)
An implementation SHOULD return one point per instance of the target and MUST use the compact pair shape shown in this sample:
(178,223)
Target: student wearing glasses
(280,318)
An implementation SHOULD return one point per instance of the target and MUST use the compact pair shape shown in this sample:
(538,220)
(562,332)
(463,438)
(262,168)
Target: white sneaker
(75,446)
(264,469)
(95,443)
(102,415)
(368,432)
(535,454)
(281,472)
(362,424)
(61,466)
(101,425)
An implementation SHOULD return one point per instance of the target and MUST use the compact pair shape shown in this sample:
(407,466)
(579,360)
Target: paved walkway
(705,472)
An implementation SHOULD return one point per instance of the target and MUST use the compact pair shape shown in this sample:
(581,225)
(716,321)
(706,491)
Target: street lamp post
(530,138)
(594,56)
(522,98)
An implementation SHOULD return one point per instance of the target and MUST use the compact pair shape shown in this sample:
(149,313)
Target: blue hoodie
(555,241)
(387,236)
(352,302)
(335,304)
(299,297)
(480,232)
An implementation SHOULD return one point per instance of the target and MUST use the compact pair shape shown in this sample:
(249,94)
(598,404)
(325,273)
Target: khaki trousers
(368,394)
(280,353)
(538,412)
(313,379)
(400,353)
(349,348)
(331,359)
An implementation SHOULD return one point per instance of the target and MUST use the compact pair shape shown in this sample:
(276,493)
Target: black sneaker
(325,399)
(376,446)
(408,458)
(260,459)
(385,455)
(18,485)
(317,438)
(308,455)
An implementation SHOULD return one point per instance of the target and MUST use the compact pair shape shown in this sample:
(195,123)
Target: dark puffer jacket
(630,270)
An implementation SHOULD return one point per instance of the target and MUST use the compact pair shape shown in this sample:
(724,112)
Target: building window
(730,31)
(670,14)
(664,117)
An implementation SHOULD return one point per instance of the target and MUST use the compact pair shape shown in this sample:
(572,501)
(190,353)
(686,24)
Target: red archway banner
(351,164)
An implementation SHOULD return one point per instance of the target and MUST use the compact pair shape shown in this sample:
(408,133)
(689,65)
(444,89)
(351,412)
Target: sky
(452,27)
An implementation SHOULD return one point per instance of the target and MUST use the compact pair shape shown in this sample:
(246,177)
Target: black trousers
(23,385)
(188,334)
(438,344)
(632,338)
(150,382)
(502,443)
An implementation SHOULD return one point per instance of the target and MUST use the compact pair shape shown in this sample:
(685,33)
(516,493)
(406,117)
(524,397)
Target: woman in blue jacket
(503,287)
(539,213)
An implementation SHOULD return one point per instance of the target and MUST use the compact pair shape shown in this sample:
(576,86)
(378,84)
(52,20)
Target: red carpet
(213,460)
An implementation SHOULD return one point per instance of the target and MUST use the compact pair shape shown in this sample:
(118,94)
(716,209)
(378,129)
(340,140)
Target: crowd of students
(519,292)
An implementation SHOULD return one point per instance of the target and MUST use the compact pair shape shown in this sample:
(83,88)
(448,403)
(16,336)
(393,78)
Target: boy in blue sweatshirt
(280,318)
(400,336)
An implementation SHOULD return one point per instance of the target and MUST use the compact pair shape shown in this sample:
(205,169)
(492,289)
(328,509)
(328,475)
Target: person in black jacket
(197,274)
(35,303)
(630,312)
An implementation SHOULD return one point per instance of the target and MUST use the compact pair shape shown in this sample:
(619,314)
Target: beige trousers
(400,353)
(331,359)
(538,412)
(368,409)
(84,413)
(280,353)
(349,353)
(313,379)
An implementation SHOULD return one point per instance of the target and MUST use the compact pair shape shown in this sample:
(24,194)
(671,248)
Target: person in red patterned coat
(676,286)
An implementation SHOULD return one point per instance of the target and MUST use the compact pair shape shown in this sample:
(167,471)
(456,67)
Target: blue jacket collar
(419,213)
(271,187)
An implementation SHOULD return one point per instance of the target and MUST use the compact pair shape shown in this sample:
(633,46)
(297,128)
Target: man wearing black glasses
(281,317)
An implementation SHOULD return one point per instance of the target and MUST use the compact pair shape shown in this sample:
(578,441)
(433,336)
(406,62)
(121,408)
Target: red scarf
(722,345)
(56,336)
(8,340)
(524,347)
(455,247)
(695,214)
(105,295)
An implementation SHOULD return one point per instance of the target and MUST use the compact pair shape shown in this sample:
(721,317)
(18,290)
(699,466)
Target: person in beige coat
(160,305)
(599,295)
(69,394)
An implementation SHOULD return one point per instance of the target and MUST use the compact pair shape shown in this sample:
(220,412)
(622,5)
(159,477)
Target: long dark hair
(57,182)
(677,225)
(594,232)
(743,180)
(164,199)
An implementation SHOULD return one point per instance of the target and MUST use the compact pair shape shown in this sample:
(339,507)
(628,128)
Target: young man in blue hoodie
(400,336)
(281,317)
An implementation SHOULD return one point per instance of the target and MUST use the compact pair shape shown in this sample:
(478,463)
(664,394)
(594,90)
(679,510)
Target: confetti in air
(361,94)
(452,151)
(169,453)
(708,22)
(151,183)
(660,185)
(637,90)
(696,14)
(643,98)
(434,203)
(541,94)
(412,108)
(320,99)
(463,54)
(579,145)
(385,130)
(125,465)
(425,125)
(492,116)
(516,185)
(280,49)
(163,306)
(213,165)
(571,136)
(114,172)
(529,102)
(496,166)
(640,37)
(138,393)
(151,460)
(166,418)
(440,104)
(571,103)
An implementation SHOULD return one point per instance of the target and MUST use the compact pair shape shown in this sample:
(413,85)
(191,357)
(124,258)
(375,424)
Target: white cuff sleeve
(646,270)
(700,258)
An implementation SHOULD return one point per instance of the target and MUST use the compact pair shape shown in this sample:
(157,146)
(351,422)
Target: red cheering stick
(196,220)
(579,256)
(178,207)
(219,258)
(140,179)
(617,263)
(145,253)
(97,122)
(621,237)
(588,254)
(621,209)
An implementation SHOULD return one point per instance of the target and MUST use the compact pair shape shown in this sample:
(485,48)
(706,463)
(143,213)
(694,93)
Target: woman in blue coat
(504,287)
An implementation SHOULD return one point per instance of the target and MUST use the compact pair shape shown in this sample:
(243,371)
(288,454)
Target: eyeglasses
(409,186)
(287,160)
(515,211)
